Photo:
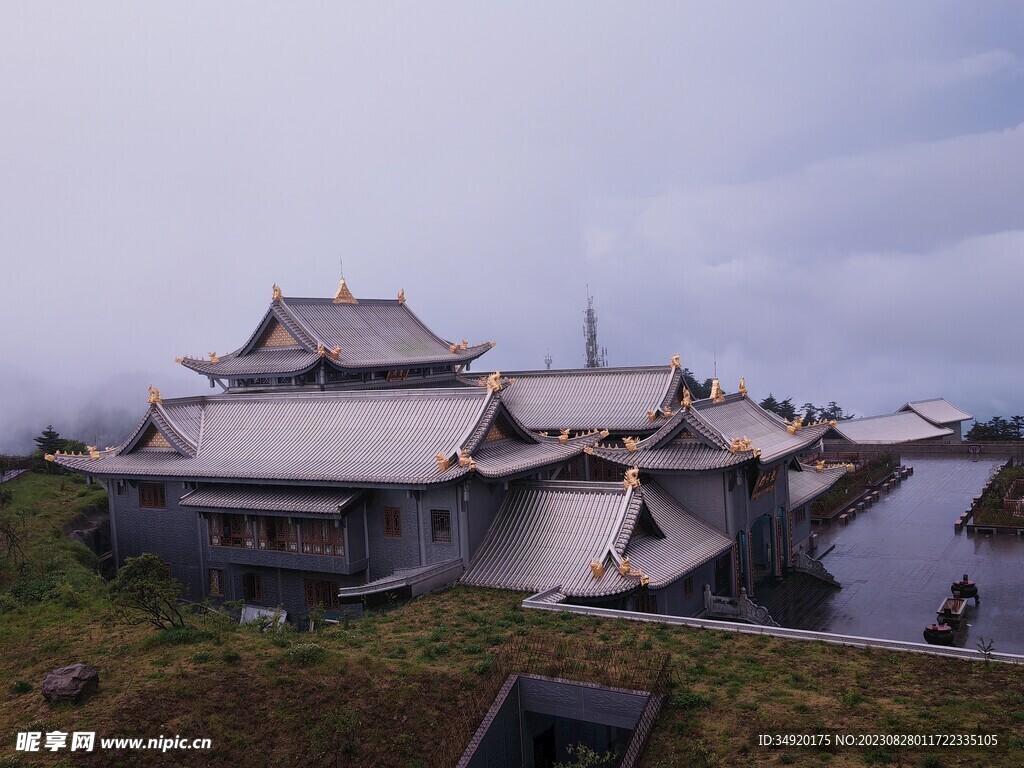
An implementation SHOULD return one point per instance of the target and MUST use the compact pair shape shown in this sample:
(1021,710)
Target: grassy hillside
(395,688)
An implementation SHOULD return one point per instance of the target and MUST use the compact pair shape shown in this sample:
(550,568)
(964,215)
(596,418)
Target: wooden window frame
(688,586)
(392,519)
(322,537)
(284,538)
(441,526)
(152,495)
(315,588)
(216,577)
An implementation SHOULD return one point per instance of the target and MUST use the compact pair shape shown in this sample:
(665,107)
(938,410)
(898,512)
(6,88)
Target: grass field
(407,687)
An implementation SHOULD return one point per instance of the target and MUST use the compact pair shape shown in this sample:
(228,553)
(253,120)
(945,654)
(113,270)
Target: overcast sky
(829,198)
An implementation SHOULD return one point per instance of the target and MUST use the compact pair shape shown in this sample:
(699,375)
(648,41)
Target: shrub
(21,687)
(305,654)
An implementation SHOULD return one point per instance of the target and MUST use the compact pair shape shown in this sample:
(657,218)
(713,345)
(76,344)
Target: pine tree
(50,441)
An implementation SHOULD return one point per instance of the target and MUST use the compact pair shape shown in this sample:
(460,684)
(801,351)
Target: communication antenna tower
(596,357)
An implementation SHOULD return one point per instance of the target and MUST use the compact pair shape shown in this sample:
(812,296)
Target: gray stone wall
(484,501)
(388,554)
(169,533)
(703,495)
(673,600)
(445,499)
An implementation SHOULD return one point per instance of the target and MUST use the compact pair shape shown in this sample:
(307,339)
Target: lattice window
(278,534)
(441,526)
(152,496)
(393,522)
(216,582)
(322,537)
(232,531)
(605,471)
(323,593)
(499,430)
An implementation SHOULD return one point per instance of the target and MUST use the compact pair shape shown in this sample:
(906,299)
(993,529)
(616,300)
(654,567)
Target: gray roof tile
(889,429)
(740,417)
(319,501)
(617,399)
(809,484)
(937,410)
(688,544)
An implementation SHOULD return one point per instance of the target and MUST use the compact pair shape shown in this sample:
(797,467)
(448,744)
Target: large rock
(75,683)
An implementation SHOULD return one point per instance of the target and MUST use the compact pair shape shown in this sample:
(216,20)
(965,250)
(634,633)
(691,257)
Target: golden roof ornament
(335,354)
(214,358)
(465,460)
(597,569)
(94,452)
(630,443)
(443,462)
(833,423)
(740,444)
(687,400)
(494,382)
(604,433)
(563,435)
(275,294)
(178,360)
(401,296)
(743,387)
(321,350)
(154,395)
(652,416)
(632,478)
(624,566)
(667,411)
(674,362)
(795,425)
(493,344)
(645,580)
(716,392)
(453,348)
(819,466)
(49,456)
(344,295)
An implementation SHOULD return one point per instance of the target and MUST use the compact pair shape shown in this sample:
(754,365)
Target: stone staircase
(792,600)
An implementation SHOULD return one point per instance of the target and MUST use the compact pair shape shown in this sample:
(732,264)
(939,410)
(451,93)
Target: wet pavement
(897,559)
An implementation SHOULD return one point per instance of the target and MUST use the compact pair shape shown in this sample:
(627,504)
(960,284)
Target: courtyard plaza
(896,561)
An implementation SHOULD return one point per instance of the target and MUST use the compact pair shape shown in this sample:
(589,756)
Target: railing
(742,608)
(536,602)
(318,548)
(807,564)
(1014,499)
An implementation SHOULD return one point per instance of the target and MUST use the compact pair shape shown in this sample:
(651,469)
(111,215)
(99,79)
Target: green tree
(786,409)
(148,593)
(770,403)
(50,440)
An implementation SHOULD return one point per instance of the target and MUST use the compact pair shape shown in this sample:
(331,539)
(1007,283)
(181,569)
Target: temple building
(351,456)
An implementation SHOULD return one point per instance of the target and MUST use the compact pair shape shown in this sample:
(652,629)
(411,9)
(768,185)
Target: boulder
(74,683)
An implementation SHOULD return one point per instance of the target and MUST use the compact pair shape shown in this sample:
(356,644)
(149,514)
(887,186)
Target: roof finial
(716,392)
(275,292)
(401,295)
(674,362)
(154,395)
(687,398)
(743,386)
(631,479)
(344,295)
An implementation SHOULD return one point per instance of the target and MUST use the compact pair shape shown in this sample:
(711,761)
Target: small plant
(582,756)
(987,648)
(230,656)
(305,654)
(21,687)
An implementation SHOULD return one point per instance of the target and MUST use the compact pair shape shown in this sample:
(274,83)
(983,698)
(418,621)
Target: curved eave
(648,460)
(221,371)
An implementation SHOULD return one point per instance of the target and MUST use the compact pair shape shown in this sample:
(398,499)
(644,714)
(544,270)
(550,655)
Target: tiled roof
(321,501)
(282,361)
(381,436)
(740,417)
(891,428)
(688,544)
(678,456)
(547,534)
(617,399)
(937,411)
(504,458)
(809,484)
(372,334)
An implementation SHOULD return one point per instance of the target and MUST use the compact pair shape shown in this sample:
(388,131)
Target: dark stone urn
(75,683)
